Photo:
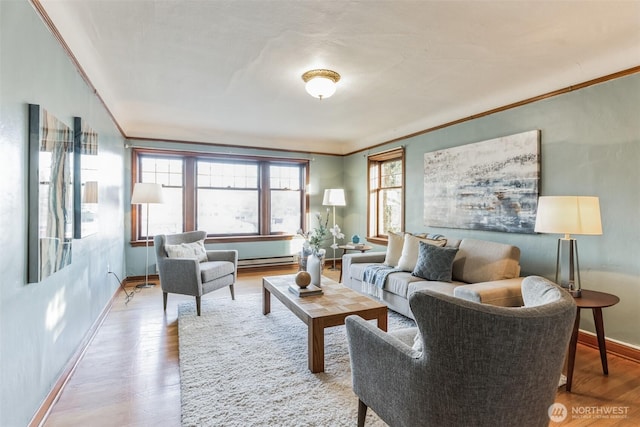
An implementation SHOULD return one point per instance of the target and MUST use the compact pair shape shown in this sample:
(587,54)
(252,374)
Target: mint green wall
(590,146)
(42,324)
(325,172)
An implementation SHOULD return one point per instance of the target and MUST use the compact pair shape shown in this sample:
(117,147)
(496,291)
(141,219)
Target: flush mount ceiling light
(321,83)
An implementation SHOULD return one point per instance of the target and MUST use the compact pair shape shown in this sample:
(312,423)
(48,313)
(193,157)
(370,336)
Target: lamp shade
(146,192)
(320,87)
(334,197)
(568,215)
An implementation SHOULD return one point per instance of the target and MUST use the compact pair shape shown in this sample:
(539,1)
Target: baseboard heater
(267,262)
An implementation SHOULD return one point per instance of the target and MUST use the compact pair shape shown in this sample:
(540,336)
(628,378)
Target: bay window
(229,197)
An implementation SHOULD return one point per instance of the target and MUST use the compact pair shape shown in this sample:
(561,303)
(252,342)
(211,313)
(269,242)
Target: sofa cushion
(442,287)
(434,262)
(505,293)
(410,247)
(394,248)
(212,270)
(483,261)
(194,250)
(398,283)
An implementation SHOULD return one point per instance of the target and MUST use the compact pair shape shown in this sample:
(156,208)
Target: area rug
(241,368)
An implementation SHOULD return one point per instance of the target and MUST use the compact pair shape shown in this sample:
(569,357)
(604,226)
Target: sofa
(481,271)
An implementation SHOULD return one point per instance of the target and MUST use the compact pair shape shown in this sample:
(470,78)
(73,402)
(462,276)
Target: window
(286,193)
(167,171)
(386,193)
(239,197)
(228,197)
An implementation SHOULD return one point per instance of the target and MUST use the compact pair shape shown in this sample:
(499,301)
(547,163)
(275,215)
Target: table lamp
(568,215)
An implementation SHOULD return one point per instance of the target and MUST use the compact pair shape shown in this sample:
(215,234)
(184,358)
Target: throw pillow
(394,248)
(409,257)
(435,263)
(194,250)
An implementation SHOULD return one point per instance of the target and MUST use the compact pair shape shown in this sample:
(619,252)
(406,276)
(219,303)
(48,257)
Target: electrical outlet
(108,268)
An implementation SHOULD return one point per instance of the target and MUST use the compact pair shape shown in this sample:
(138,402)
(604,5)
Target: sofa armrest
(505,293)
(355,258)
(358,258)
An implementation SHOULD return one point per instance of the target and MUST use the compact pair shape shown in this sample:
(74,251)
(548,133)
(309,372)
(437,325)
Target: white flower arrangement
(337,233)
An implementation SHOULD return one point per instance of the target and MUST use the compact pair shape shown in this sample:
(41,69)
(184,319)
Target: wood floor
(129,374)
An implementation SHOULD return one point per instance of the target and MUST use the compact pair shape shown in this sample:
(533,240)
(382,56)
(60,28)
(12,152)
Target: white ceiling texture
(229,72)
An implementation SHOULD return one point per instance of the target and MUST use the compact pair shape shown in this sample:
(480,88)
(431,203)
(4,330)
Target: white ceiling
(229,72)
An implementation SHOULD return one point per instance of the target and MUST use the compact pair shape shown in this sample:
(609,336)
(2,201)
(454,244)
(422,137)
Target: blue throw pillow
(434,262)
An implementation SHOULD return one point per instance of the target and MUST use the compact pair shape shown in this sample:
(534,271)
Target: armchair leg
(164,300)
(198,305)
(233,297)
(362,413)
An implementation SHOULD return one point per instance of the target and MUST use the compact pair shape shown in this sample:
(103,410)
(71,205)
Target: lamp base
(576,293)
(145,285)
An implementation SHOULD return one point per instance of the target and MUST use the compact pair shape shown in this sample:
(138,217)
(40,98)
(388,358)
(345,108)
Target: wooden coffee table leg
(382,321)
(316,346)
(266,301)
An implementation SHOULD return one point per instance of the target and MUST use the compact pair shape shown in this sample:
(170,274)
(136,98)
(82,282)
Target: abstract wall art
(490,185)
(50,194)
(85,179)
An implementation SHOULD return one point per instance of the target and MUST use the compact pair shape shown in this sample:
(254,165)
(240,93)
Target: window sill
(229,239)
(378,240)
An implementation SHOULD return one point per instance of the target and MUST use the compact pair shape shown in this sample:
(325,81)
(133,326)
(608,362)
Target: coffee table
(321,311)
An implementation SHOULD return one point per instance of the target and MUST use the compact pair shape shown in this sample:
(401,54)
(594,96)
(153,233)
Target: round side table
(596,301)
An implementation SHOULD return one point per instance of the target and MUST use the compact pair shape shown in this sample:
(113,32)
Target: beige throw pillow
(394,248)
(194,250)
(410,249)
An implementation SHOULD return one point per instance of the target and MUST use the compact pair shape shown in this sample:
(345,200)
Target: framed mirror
(50,194)
(85,177)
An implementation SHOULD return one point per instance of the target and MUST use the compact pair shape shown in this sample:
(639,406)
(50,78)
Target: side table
(345,248)
(596,301)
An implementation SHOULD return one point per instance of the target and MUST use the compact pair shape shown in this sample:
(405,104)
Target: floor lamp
(146,193)
(568,215)
(334,197)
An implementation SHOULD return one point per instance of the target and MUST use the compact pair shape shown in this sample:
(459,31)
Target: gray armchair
(478,365)
(188,276)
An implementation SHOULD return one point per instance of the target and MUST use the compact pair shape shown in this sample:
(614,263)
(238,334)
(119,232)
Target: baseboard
(613,347)
(43,411)
(133,280)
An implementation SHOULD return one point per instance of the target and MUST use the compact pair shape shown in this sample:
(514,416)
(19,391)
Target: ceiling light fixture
(321,83)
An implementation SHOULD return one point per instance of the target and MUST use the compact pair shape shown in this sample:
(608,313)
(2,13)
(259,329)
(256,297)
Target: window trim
(190,159)
(373,234)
